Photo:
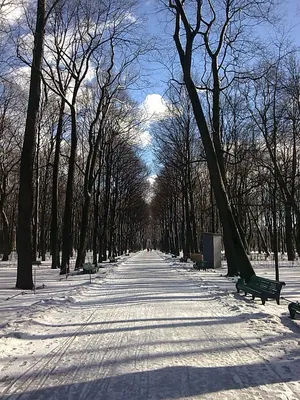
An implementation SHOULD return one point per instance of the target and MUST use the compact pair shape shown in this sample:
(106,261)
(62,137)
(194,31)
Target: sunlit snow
(147,327)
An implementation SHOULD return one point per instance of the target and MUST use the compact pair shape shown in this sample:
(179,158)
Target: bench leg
(263,301)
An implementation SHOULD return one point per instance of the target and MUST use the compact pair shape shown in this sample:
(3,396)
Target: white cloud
(145,138)
(140,137)
(11,12)
(21,76)
(154,107)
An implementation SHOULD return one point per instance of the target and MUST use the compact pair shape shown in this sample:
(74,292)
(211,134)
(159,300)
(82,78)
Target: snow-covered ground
(147,327)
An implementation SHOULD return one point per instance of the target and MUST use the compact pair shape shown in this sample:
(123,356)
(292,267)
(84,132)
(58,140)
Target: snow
(147,327)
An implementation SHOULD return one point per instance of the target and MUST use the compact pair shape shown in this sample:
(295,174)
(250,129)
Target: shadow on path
(173,383)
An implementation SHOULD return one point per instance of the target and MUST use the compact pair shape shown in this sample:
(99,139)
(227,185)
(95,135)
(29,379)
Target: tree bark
(5,225)
(67,221)
(83,231)
(35,220)
(289,232)
(54,202)
(175,219)
(44,205)
(25,202)
(275,232)
(96,219)
(106,204)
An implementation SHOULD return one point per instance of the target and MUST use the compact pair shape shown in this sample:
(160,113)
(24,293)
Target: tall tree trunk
(43,210)
(5,225)
(183,230)
(35,220)
(297,235)
(192,214)
(106,204)
(5,222)
(83,231)
(176,238)
(189,235)
(289,232)
(112,244)
(216,133)
(275,232)
(103,243)
(89,181)
(96,219)
(67,220)
(25,202)
(12,230)
(54,206)
(213,228)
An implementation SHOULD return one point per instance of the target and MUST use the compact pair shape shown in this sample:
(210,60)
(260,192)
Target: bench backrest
(87,266)
(265,285)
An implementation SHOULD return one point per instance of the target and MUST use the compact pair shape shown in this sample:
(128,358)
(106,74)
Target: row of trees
(243,98)
(82,184)
(76,173)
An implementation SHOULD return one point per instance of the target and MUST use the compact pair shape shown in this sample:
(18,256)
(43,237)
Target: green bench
(201,265)
(294,308)
(260,287)
(89,268)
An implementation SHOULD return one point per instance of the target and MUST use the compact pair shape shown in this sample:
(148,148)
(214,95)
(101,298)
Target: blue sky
(158,75)
(156,26)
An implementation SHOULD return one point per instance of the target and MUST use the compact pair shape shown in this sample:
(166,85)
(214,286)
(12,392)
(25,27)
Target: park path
(149,332)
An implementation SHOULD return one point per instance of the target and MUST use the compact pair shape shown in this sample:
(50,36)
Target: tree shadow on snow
(113,327)
(169,383)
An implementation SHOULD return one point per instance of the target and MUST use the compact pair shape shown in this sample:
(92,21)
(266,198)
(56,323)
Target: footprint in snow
(286,369)
(23,363)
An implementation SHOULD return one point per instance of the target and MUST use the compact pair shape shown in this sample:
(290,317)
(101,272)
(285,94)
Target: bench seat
(89,268)
(294,308)
(201,265)
(261,287)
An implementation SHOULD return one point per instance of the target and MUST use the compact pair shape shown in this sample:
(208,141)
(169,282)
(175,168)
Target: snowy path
(150,333)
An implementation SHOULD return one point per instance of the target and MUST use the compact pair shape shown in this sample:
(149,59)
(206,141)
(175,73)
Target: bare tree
(218,29)
(10,144)
(80,33)
(177,144)
(110,82)
(25,203)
